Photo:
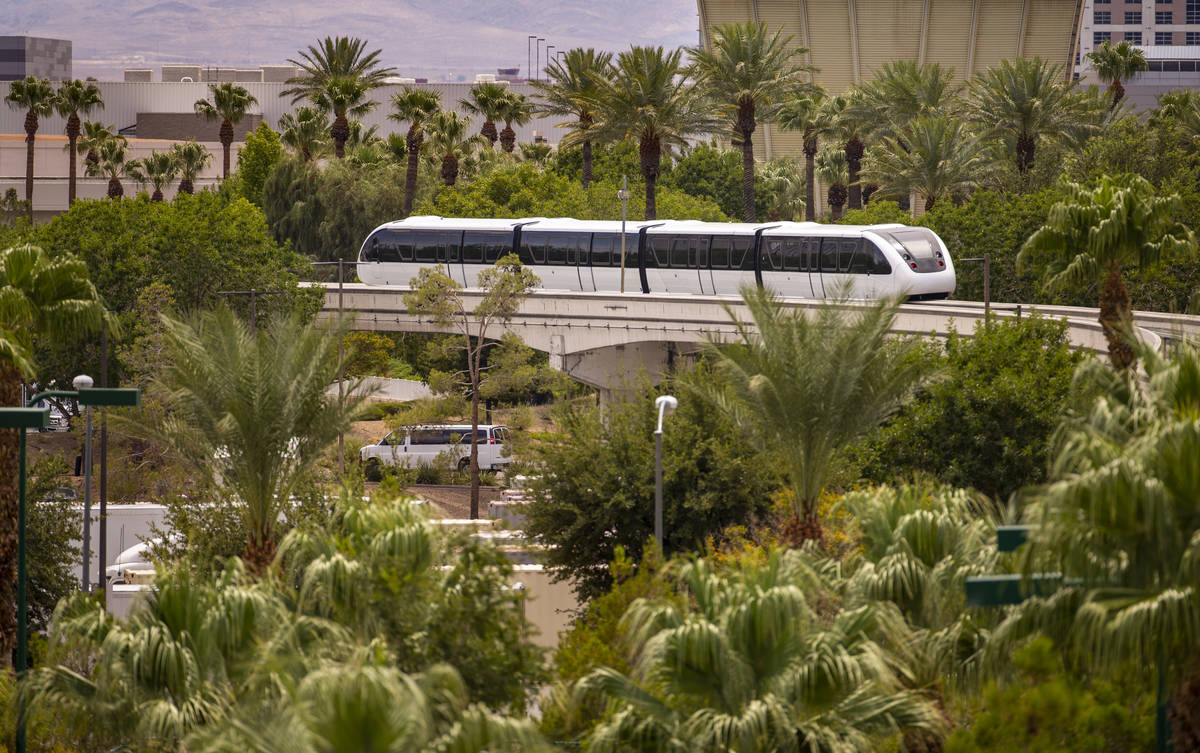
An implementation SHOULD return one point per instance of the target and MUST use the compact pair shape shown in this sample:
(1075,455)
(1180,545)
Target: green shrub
(256,159)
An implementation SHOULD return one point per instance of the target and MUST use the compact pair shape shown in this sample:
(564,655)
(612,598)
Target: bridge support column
(616,369)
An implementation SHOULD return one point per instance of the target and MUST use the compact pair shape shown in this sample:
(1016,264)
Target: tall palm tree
(749,74)
(784,180)
(744,662)
(1022,102)
(782,356)
(1095,232)
(305,131)
(36,97)
(450,141)
(75,98)
(250,412)
(227,103)
(336,77)
(931,155)
(1116,63)
(807,114)
(486,101)
(191,158)
(159,170)
(93,135)
(570,87)
(849,123)
(415,107)
(111,162)
(40,297)
(834,172)
(900,91)
(650,101)
(515,109)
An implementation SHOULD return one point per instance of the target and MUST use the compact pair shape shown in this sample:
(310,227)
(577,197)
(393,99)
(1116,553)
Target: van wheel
(464,465)
(372,471)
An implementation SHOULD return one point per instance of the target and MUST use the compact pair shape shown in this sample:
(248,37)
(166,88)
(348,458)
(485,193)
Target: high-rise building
(34,56)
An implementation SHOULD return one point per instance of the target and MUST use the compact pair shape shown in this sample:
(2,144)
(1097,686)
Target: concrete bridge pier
(616,369)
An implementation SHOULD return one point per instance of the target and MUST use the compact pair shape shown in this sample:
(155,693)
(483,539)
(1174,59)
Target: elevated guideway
(605,339)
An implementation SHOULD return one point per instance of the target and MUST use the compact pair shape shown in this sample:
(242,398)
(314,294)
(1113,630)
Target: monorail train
(795,259)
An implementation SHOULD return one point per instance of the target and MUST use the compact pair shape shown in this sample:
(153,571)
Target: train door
(656,262)
(784,267)
(703,268)
(731,258)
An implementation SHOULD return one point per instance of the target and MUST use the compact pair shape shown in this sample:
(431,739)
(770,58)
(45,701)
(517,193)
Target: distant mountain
(436,38)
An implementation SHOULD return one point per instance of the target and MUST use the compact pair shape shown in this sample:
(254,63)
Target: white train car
(795,259)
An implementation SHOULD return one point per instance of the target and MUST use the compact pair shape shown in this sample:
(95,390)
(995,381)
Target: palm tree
(73,99)
(44,297)
(514,109)
(1118,520)
(159,170)
(650,101)
(450,142)
(749,73)
(784,180)
(782,358)
(850,122)
(744,662)
(36,97)
(1094,233)
(305,131)
(191,158)
(1022,102)
(227,103)
(486,101)
(111,158)
(249,411)
(1116,63)
(93,135)
(832,166)
(931,155)
(337,75)
(807,114)
(414,106)
(572,81)
(900,91)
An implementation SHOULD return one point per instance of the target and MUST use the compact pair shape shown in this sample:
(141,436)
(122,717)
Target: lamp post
(83,382)
(623,195)
(665,404)
(537,64)
(529,55)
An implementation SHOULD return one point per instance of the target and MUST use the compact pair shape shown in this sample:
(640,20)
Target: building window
(1191,12)
(1163,38)
(1191,37)
(1163,17)
(1100,37)
(1102,17)
(1103,2)
(1133,17)
(1134,37)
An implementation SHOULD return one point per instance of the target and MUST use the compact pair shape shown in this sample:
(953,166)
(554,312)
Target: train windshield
(918,241)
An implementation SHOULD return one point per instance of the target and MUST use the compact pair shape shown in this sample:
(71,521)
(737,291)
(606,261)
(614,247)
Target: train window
(700,248)
(743,253)
(846,249)
(810,254)
(862,263)
(772,254)
(558,248)
(657,251)
(879,263)
(450,242)
(484,248)
(602,250)
(793,255)
(719,252)
(680,248)
(829,249)
(533,249)
(391,246)
(425,246)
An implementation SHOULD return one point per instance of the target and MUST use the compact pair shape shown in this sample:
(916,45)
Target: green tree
(807,114)
(192,158)
(45,297)
(228,103)
(159,170)
(931,155)
(987,423)
(596,494)
(649,100)
(849,123)
(745,663)
(487,100)
(1023,102)
(1097,231)
(835,173)
(515,109)
(249,411)
(784,180)
(782,355)
(369,354)
(256,158)
(93,135)
(435,294)
(75,98)
(450,143)
(571,85)
(36,97)
(1115,63)
(305,131)
(901,91)
(53,540)
(711,172)
(415,107)
(749,74)
(336,76)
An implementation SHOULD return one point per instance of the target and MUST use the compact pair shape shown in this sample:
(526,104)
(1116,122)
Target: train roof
(654,227)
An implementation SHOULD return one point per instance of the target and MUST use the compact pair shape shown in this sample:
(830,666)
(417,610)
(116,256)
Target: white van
(421,445)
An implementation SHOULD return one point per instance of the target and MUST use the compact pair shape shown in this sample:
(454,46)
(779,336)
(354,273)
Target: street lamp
(623,195)
(665,404)
(529,55)
(537,57)
(84,382)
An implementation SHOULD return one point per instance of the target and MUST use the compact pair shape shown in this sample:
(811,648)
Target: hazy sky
(434,38)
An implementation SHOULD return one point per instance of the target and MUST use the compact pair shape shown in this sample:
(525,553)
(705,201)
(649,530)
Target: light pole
(549,57)
(623,195)
(529,55)
(665,404)
(537,64)
(84,382)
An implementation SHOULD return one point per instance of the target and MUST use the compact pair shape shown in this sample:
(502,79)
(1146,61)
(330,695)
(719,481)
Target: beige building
(848,40)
